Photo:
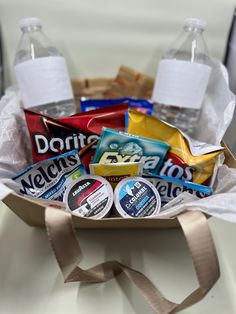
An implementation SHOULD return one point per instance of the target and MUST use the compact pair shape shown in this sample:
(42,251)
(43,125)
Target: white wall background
(97,36)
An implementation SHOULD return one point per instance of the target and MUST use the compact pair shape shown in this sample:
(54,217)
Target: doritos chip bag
(50,137)
(194,165)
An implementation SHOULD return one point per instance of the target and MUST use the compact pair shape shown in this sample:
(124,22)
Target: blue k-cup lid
(136,197)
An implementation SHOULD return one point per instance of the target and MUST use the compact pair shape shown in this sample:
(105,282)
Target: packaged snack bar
(136,197)
(115,172)
(89,196)
(169,188)
(48,179)
(116,146)
(193,163)
(141,105)
(50,137)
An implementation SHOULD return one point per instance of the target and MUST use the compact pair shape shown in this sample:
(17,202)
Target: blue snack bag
(48,179)
(141,105)
(169,188)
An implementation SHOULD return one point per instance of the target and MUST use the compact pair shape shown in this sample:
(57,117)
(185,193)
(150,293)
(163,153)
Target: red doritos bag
(50,137)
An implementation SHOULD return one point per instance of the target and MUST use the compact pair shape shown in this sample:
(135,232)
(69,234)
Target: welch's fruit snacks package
(169,188)
(48,179)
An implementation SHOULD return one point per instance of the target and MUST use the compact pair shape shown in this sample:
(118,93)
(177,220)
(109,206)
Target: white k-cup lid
(89,196)
(136,197)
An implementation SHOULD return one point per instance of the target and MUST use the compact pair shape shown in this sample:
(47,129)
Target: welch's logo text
(35,180)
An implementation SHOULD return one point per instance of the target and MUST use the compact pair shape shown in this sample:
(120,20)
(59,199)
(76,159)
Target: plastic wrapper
(48,179)
(50,137)
(115,172)
(170,188)
(141,105)
(116,146)
(187,159)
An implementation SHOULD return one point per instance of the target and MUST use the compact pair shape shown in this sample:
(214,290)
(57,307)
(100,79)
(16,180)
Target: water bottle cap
(197,23)
(29,22)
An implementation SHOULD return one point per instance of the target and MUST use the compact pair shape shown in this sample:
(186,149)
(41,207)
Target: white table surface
(31,283)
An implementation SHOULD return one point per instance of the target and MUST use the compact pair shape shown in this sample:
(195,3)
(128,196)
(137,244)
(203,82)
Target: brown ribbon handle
(195,227)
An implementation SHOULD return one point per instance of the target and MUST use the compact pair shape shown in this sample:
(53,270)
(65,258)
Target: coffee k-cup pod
(136,197)
(89,196)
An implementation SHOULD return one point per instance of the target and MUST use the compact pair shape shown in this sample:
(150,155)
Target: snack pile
(114,159)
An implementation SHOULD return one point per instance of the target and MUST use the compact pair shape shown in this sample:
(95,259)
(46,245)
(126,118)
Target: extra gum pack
(116,146)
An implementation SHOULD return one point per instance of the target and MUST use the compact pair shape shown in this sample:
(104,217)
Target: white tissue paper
(216,116)
(14,145)
(217,113)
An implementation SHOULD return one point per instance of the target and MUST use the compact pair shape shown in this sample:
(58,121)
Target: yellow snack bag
(195,165)
(115,172)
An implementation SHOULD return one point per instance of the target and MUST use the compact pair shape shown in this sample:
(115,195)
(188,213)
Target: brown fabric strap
(68,254)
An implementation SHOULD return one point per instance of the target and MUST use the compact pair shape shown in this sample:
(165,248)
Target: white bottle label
(181,83)
(43,81)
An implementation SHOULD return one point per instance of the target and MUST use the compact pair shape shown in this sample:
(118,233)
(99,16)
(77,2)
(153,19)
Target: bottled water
(230,55)
(41,73)
(182,78)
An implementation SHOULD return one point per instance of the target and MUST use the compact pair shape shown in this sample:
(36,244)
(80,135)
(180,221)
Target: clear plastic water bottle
(41,73)
(182,78)
(230,54)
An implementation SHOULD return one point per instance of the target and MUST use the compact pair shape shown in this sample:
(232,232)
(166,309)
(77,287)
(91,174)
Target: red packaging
(50,137)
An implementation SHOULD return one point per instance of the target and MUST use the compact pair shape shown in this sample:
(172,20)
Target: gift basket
(115,165)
